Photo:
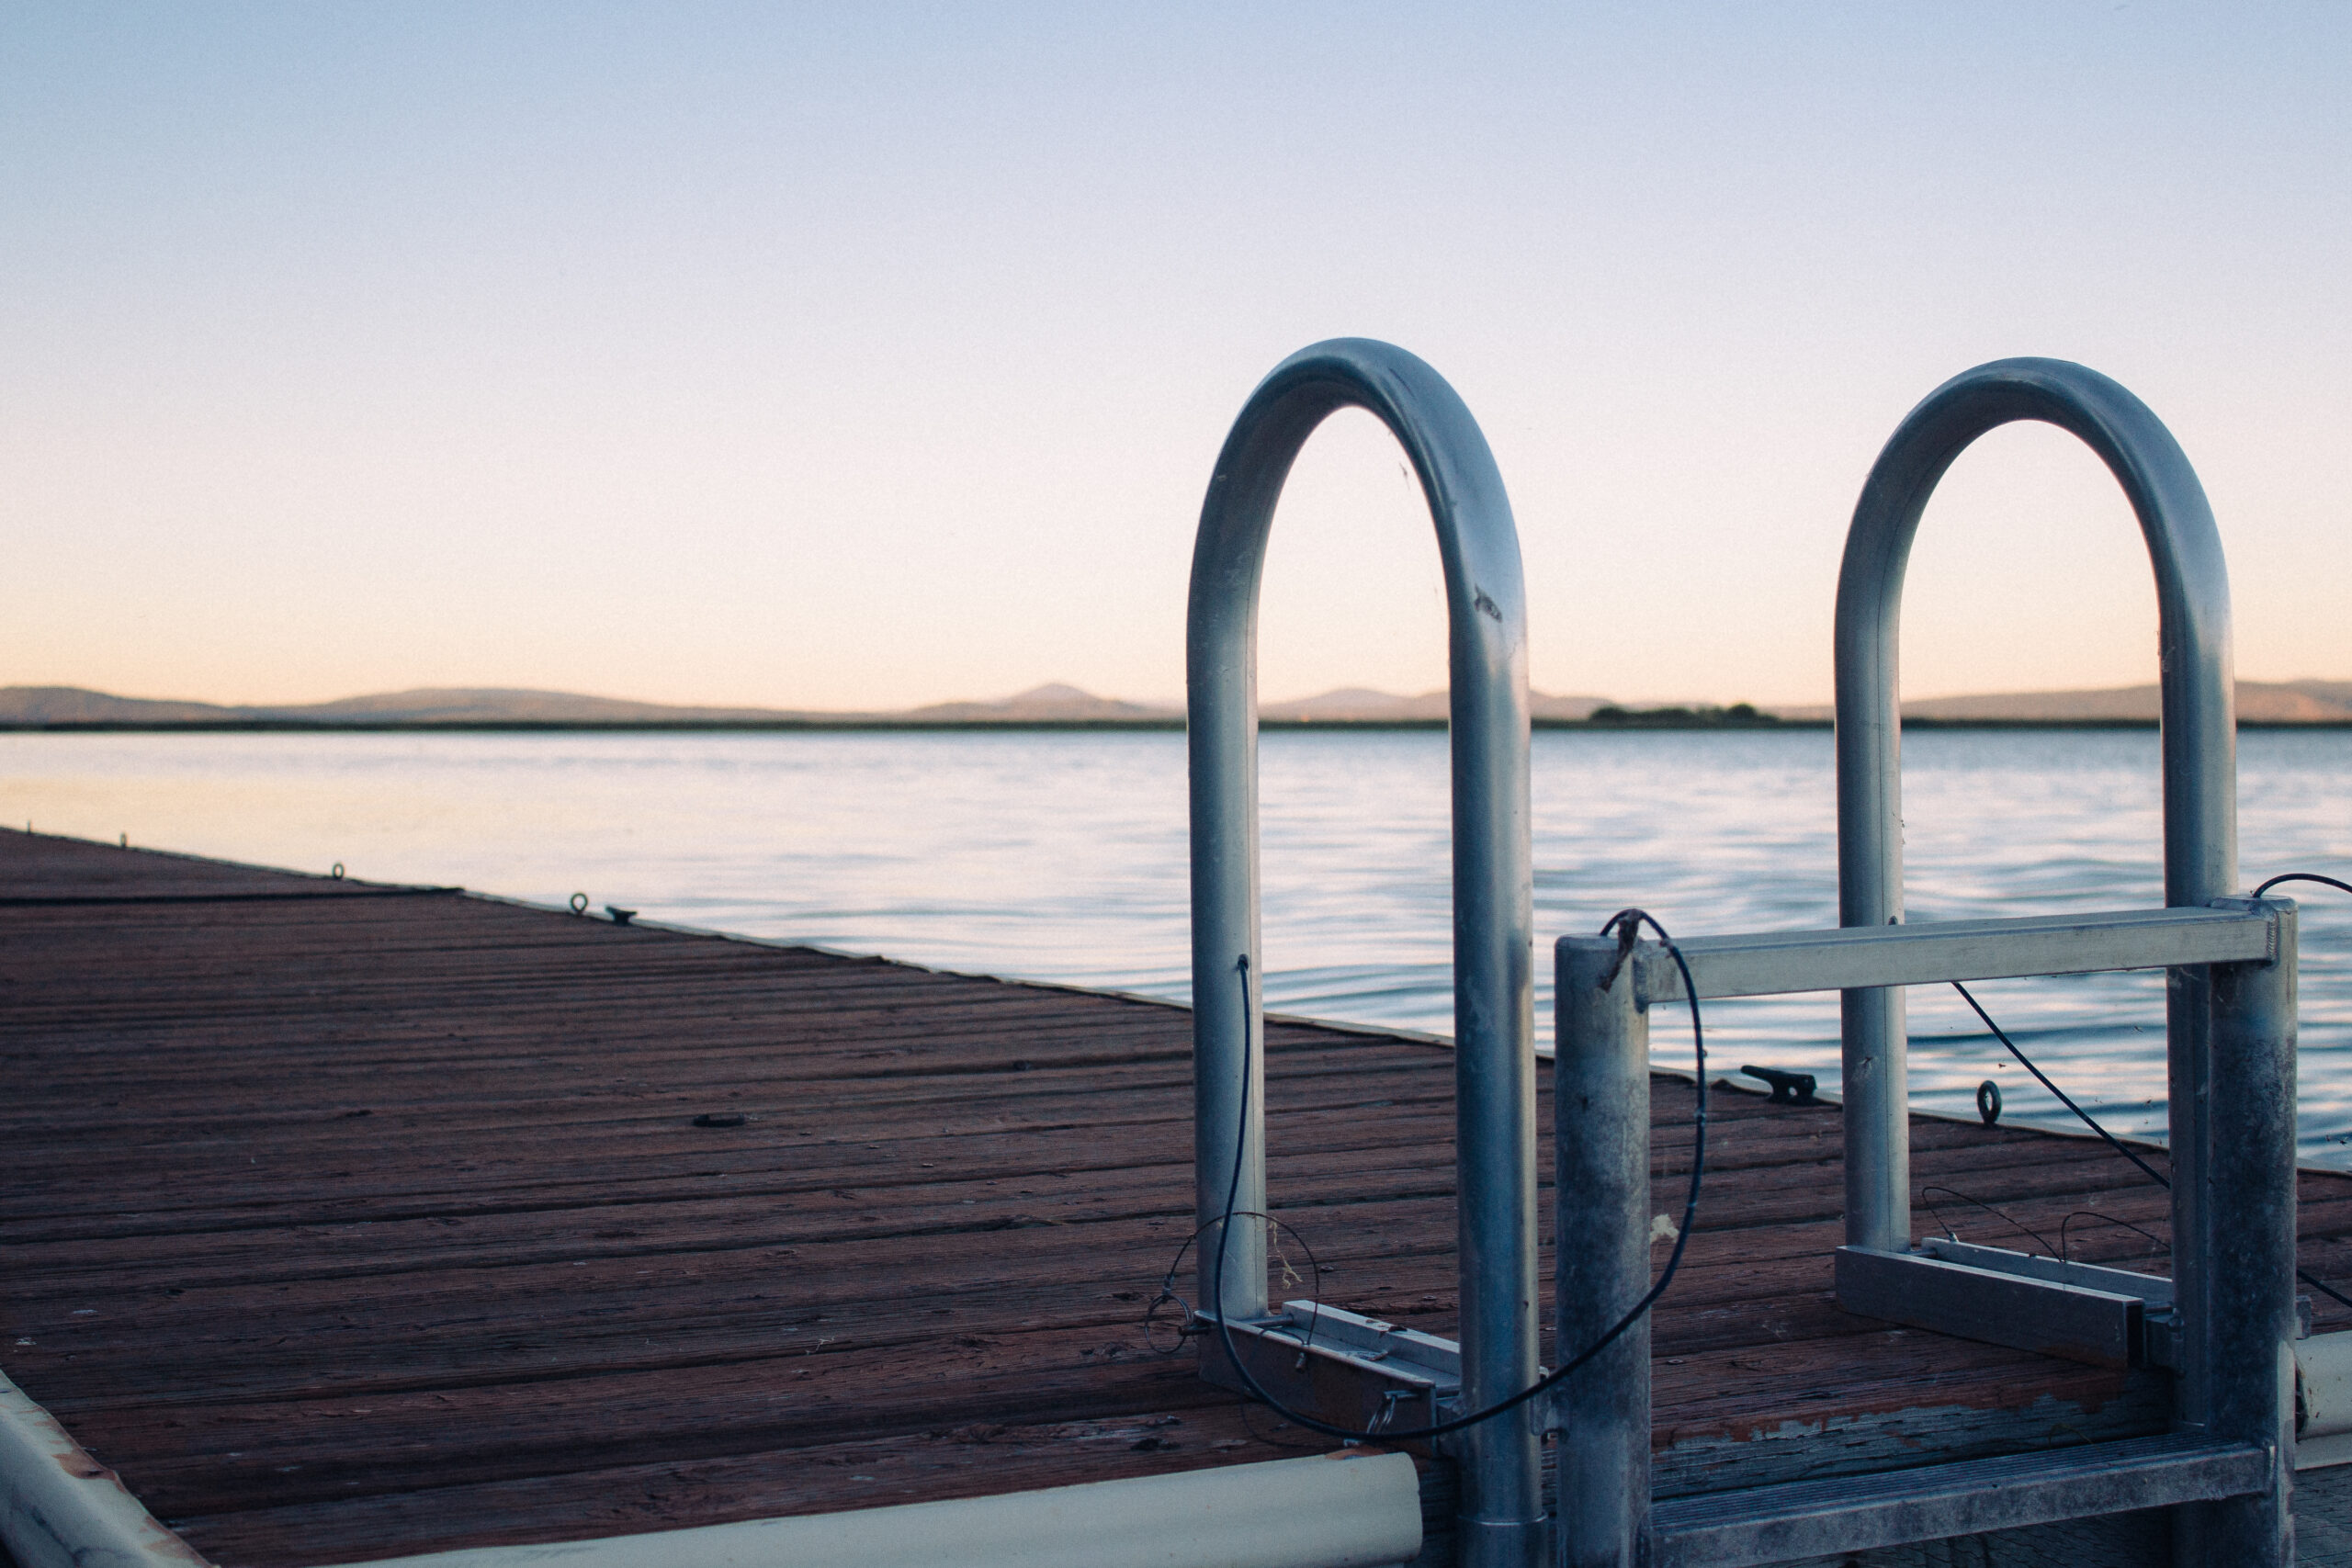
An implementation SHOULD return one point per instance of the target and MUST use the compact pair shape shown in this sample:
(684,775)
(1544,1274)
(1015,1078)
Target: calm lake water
(1061,856)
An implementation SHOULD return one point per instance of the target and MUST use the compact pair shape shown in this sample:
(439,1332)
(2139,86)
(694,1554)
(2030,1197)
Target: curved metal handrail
(2200,734)
(1493,885)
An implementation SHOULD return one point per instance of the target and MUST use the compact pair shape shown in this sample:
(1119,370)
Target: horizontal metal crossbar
(1855,957)
(1818,1519)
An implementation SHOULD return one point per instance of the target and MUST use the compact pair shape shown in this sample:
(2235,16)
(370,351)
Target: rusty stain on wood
(349,1226)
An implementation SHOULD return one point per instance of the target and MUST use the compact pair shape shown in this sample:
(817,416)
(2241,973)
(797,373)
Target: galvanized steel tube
(1493,883)
(2199,736)
(2246,1329)
(1601,1105)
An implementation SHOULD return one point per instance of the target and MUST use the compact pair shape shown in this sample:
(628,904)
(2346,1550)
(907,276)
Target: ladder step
(1816,1518)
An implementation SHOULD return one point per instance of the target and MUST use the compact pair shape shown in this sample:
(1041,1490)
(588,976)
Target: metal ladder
(1358,1370)
(2225,1323)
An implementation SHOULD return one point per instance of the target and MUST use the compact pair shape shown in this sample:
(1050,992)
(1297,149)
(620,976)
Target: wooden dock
(344,1221)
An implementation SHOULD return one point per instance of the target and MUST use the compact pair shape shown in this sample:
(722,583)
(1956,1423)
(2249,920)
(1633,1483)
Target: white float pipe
(64,1509)
(1334,1511)
(61,1508)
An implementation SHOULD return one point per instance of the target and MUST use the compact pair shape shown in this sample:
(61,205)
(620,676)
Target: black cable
(2156,1243)
(1627,923)
(2007,1219)
(2088,1120)
(2303,876)
(1175,1266)
(2092,1123)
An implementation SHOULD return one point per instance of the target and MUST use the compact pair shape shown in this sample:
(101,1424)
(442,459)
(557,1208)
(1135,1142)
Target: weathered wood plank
(521,1297)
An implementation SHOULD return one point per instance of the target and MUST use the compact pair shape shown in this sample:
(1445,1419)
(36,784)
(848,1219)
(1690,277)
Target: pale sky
(861,355)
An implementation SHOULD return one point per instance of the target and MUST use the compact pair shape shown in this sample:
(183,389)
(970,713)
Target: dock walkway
(344,1221)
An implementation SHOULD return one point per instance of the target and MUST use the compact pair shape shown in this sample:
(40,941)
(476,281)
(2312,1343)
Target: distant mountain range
(502,705)
(23,706)
(432,704)
(2293,702)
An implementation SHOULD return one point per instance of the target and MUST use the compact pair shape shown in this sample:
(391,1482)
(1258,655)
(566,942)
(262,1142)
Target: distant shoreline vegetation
(1739,715)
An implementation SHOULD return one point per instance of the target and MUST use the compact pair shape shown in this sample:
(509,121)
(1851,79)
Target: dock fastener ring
(1988,1102)
(580,903)
(335,871)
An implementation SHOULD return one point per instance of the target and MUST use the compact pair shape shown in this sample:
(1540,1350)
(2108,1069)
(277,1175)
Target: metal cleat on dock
(1788,1088)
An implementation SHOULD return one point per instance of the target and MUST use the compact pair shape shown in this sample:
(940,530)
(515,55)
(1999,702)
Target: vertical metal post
(1494,922)
(2247,1328)
(2199,739)
(1600,1103)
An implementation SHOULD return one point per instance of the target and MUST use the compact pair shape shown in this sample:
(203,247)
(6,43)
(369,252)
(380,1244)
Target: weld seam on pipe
(62,1508)
(1331,1511)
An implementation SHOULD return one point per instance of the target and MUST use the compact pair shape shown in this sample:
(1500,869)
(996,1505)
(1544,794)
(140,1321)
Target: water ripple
(1062,857)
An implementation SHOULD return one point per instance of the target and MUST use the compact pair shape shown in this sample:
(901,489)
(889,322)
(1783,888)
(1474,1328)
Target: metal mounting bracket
(1346,1369)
